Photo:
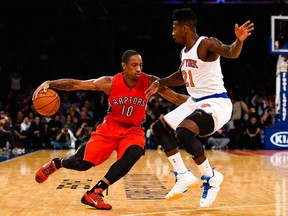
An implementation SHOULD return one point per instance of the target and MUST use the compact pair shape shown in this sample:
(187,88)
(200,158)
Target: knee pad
(189,142)
(164,136)
(134,152)
(73,163)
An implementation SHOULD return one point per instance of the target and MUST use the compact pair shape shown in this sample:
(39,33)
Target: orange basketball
(47,103)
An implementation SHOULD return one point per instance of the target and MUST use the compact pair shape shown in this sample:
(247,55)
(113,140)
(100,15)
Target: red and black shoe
(95,200)
(43,173)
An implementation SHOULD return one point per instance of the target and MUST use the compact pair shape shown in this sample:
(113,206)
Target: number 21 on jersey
(187,76)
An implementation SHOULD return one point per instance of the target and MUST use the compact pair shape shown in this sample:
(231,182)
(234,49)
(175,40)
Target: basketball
(47,103)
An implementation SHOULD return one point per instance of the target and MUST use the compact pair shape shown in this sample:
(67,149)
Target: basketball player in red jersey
(121,129)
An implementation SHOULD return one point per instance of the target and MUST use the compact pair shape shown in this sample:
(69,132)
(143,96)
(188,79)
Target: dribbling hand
(43,87)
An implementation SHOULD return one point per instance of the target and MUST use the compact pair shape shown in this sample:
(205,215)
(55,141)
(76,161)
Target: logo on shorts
(205,105)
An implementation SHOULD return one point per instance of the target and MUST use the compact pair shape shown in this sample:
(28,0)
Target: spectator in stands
(252,134)
(64,139)
(87,107)
(81,133)
(15,81)
(240,108)
(18,120)
(72,124)
(150,140)
(262,124)
(24,131)
(263,121)
(53,128)
(45,120)
(270,121)
(85,118)
(37,133)
(15,137)
(4,135)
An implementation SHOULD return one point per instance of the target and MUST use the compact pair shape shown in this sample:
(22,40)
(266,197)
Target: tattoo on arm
(63,84)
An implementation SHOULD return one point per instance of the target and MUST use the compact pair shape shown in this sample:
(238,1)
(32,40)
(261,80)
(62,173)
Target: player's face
(133,68)
(178,33)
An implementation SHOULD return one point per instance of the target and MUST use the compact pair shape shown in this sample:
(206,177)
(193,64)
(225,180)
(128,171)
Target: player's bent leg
(211,183)
(187,180)
(70,163)
(211,187)
(121,167)
(165,136)
(75,163)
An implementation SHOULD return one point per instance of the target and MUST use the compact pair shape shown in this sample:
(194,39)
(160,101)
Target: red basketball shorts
(110,136)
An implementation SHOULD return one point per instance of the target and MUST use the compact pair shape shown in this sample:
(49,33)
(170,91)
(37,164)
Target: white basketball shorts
(219,108)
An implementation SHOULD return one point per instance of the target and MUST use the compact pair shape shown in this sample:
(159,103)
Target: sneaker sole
(207,205)
(179,195)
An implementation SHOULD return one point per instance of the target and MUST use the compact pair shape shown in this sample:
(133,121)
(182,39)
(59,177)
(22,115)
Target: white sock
(205,168)
(177,163)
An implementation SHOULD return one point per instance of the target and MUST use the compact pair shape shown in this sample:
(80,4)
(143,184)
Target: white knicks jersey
(201,78)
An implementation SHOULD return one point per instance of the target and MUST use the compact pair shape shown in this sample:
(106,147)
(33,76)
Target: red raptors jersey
(127,106)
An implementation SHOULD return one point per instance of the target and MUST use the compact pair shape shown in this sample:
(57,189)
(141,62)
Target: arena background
(85,39)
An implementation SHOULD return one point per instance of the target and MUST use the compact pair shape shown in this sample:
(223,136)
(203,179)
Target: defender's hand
(244,30)
(152,89)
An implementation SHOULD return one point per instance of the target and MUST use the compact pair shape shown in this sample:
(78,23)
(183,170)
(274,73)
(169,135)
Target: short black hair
(127,55)
(185,14)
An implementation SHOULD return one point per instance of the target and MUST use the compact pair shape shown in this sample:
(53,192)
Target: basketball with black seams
(48,103)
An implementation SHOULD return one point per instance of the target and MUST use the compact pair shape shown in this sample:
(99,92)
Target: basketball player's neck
(130,83)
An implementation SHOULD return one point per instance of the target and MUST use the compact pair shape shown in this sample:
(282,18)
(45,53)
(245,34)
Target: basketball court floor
(255,183)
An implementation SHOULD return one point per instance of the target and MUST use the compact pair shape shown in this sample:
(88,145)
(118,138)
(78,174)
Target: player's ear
(123,65)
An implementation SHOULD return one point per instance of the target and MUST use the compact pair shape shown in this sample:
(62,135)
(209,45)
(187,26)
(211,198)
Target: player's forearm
(174,79)
(172,96)
(63,84)
(235,48)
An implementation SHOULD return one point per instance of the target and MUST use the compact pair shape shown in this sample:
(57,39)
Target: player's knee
(134,152)
(158,129)
(79,165)
(184,137)
(164,136)
(189,142)
(84,165)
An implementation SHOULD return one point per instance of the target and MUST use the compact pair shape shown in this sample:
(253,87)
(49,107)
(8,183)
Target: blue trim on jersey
(221,95)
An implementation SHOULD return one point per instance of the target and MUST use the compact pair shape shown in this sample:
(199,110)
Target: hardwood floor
(255,183)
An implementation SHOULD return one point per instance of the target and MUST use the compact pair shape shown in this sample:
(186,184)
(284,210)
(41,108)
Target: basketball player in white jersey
(207,109)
